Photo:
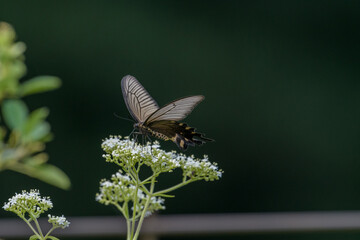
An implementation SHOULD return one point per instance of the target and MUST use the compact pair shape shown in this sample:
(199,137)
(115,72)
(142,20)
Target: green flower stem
(145,209)
(30,226)
(52,229)
(138,167)
(134,211)
(142,184)
(37,225)
(146,180)
(119,208)
(128,226)
(124,210)
(174,187)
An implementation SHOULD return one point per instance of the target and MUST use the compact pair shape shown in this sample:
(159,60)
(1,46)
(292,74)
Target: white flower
(59,221)
(148,213)
(107,184)
(140,194)
(6,206)
(111,142)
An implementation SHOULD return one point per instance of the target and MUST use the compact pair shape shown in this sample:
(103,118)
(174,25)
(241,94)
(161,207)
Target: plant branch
(173,187)
(145,209)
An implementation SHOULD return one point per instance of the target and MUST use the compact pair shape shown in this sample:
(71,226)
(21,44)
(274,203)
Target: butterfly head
(140,128)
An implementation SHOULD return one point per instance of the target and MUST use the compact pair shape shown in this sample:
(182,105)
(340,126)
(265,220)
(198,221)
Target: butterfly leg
(143,140)
(132,133)
(136,134)
(149,138)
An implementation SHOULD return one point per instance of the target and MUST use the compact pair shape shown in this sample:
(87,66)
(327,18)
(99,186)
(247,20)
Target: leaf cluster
(23,133)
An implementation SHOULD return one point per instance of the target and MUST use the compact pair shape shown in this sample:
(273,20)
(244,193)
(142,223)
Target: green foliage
(23,134)
(14,113)
(38,85)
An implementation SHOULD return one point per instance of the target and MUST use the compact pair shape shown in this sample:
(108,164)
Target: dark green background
(281,80)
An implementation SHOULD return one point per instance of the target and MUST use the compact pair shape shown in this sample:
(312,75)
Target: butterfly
(162,123)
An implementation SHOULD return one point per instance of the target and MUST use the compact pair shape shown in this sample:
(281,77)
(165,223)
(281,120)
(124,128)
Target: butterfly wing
(138,101)
(176,110)
(179,133)
(164,123)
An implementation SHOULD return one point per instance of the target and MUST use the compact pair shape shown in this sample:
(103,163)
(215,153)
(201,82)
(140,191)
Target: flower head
(121,188)
(199,168)
(127,153)
(28,203)
(58,221)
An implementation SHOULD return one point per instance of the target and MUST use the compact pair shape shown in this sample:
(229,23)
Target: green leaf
(15,113)
(35,118)
(50,174)
(38,85)
(35,128)
(2,134)
(39,132)
(34,237)
(9,154)
(37,159)
(52,238)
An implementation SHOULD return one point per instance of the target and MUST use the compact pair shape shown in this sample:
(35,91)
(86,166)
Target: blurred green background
(281,80)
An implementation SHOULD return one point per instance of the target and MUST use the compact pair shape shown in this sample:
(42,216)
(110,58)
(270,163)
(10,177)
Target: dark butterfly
(161,122)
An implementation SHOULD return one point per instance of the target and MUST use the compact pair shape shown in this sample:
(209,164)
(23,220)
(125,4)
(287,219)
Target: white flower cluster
(199,168)
(119,189)
(128,188)
(122,189)
(57,221)
(28,202)
(127,153)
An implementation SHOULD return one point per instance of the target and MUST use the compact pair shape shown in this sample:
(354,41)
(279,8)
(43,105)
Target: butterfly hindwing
(179,133)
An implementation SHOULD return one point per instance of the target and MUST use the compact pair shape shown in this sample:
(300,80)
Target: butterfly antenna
(128,119)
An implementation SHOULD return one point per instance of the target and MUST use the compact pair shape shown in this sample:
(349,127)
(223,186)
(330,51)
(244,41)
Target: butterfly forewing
(138,101)
(176,110)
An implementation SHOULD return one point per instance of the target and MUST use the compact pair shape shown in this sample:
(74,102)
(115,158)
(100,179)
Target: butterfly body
(142,129)
(162,123)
